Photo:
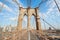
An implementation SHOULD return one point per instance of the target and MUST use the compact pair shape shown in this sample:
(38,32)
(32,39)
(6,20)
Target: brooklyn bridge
(18,33)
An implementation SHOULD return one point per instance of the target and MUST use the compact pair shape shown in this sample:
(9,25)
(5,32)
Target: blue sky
(47,10)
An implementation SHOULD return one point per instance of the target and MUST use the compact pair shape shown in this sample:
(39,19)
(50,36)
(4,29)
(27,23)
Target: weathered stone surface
(28,12)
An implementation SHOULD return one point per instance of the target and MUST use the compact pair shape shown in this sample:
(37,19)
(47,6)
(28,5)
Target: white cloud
(13,18)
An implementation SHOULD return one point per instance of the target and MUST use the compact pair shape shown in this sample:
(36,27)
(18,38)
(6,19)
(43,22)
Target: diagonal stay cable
(48,23)
(41,3)
(2,6)
(57,5)
(28,3)
(17,2)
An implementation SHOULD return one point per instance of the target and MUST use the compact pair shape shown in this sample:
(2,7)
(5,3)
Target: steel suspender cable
(16,2)
(42,18)
(28,6)
(57,5)
(2,6)
(44,23)
(28,3)
(48,24)
(41,3)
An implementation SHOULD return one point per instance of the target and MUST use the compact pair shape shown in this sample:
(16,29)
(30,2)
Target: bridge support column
(38,23)
(29,17)
(29,13)
(20,19)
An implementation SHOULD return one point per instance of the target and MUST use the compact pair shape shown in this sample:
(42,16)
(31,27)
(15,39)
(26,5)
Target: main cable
(57,5)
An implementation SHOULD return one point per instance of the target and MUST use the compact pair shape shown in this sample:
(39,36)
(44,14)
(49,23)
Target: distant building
(0,29)
(4,29)
(50,28)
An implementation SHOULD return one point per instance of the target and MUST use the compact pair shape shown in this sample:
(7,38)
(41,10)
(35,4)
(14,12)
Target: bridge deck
(24,35)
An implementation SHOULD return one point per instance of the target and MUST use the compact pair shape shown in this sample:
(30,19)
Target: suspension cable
(44,23)
(41,3)
(28,3)
(57,5)
(2,6)
(48,23)
(17,3)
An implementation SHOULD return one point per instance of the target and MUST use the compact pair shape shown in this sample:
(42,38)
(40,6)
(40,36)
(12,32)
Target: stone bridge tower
(29,12)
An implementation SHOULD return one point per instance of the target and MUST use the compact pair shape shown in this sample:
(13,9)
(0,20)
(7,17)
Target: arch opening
(24,22)
(33,22)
